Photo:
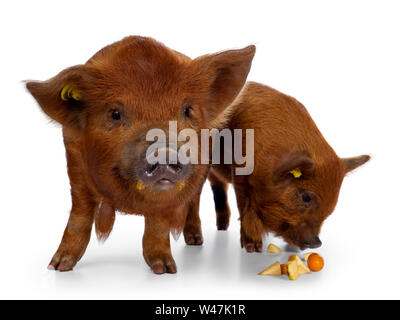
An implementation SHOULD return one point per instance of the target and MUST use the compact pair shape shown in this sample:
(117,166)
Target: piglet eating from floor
(296,177)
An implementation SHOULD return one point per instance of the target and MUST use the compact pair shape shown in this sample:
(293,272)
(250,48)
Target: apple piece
(302,268)
(294,257)
(292,270)
(273,248)
(273,270)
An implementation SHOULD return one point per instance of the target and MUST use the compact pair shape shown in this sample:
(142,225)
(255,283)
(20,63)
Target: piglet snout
(162,173)
(314,243)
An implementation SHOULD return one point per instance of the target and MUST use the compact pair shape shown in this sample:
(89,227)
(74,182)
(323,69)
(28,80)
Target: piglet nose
(314,243)
(163,173)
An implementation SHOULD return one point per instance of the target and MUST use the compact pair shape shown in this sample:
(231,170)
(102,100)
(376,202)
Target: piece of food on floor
(306,255)
(273,249)
(315,262)
(300,264)
(273,270)
(293,272)
(284,268)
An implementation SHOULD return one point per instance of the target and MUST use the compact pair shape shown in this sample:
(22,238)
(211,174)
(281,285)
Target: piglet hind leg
(222,210)
(156,245)
(76,235)
(192,231)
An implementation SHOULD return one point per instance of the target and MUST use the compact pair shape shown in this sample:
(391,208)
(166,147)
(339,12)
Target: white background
(340,58)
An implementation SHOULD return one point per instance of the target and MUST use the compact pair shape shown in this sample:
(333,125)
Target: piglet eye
(116,115)
(187,111)
(306,198)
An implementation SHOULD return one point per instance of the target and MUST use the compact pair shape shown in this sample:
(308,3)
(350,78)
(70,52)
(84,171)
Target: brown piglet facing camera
(296,175)
(106,107)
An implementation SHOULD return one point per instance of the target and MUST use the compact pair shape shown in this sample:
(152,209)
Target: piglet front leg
(76,235)
(156,244)
(192,231)
(249,240)
(251,227)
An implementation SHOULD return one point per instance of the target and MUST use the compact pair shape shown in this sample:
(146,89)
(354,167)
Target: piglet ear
(297,165)
(352,163)
(221,77)
(62,96)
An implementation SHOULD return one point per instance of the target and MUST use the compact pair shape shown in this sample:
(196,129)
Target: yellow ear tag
(140,185)
(296,173)
(180,185)
(68,92)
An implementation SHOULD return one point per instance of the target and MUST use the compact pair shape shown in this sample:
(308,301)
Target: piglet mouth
(164,184)
(161,184)
(164,181)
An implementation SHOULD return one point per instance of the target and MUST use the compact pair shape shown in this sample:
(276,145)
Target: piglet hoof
(164,265)
(62,262)
(193,235)
(193,238)
(222,224)
(252,246)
